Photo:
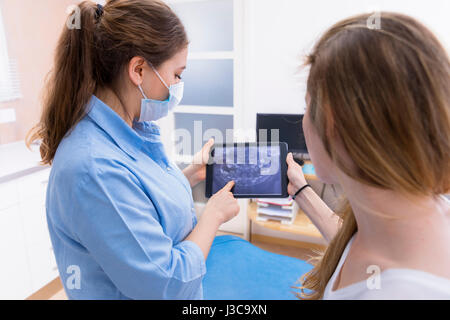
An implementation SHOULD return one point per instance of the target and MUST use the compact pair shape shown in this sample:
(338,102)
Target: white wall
(279,32)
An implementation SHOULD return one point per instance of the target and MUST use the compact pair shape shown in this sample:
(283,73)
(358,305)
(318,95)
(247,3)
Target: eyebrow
(182,68)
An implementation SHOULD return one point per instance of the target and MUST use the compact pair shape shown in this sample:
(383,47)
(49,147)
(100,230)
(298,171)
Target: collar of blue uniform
(148,130)
(126,138)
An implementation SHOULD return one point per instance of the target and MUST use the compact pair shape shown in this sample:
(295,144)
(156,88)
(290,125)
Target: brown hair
(95,55)
(385,93)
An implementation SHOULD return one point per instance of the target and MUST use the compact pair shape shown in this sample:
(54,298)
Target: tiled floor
(303,254)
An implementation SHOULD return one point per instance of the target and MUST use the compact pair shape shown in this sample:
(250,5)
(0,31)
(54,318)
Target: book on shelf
(275,211)
(281,219)
(282,210)
(275,201)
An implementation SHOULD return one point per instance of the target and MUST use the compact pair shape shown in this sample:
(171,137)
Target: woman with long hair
(378,124)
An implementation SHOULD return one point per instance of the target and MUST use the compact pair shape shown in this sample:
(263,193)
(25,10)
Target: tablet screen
(255,169)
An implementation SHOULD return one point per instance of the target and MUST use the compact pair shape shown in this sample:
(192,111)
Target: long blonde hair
(386,94)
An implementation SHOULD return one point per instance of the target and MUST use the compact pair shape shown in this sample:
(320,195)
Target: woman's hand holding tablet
(295,175)
(258,169)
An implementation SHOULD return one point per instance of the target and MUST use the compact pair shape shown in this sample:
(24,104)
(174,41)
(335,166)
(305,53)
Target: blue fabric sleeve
(118,224)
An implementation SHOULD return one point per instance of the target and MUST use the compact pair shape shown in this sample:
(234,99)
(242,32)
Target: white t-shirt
(393,284)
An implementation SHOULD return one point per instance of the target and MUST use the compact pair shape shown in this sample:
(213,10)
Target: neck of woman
(119,103)
(396,225)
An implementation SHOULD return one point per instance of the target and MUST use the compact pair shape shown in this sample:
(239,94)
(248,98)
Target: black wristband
(300,190)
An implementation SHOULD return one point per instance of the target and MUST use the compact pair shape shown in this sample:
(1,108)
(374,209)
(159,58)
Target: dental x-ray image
(255,169)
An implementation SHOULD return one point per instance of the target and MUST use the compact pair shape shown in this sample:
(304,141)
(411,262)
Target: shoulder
(87,153)
(85,138)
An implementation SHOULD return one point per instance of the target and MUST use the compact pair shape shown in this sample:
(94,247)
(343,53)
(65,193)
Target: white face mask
(152,110)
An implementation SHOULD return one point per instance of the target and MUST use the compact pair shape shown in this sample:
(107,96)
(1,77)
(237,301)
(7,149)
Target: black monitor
(290,130)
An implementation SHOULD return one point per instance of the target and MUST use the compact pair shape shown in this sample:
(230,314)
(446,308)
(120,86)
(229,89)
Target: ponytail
(70,86)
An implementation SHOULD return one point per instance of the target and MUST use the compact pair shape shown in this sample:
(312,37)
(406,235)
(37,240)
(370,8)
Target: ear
(136,70)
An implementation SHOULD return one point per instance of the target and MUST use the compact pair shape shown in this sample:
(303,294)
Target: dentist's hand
(222,206)
(196,171)
(295,175)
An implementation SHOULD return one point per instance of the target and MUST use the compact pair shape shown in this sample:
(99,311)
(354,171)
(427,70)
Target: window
(9,81)
(211,103)
(213,80)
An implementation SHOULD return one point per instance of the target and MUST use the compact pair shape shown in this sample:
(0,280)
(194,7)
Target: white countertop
(16,159)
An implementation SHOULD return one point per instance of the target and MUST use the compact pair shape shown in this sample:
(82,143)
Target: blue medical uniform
(118,212)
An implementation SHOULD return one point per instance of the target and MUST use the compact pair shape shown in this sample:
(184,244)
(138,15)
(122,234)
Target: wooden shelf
(310,176)
(302,225)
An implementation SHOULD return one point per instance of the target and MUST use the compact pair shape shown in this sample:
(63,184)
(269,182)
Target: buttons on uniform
(170,166)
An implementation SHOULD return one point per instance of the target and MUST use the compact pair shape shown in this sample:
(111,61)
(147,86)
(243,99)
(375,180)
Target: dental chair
(238,270)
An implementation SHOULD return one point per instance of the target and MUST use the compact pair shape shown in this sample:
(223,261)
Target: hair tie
(99,11)
(300,190)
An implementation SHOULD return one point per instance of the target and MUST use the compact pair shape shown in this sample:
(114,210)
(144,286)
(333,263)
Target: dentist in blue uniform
(120,214)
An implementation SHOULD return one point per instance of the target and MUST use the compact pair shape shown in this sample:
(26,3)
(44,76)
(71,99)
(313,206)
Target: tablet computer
(259,170)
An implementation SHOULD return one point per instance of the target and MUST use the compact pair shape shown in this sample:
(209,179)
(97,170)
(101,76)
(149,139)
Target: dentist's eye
(178,76)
